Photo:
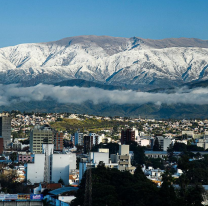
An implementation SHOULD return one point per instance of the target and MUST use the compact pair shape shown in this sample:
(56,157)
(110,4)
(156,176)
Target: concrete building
(88,144)
(25,158)
(35,171)
(124,159)
(163,142)
(38,136)
(136,132)
(5,129)
(156,154)
(17,146)
(103,150)
(96,138)
(143,142)
(49,167)
(1,145)
(96,157)
(93,160)
(58,141)
(189,134)
(78,138)
(62,165)
(127,136)
(202,143)
(90,141)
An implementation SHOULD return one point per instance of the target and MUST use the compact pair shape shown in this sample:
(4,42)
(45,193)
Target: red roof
(53,186)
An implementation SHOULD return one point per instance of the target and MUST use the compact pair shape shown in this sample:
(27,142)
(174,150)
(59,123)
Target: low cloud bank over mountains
(13,93)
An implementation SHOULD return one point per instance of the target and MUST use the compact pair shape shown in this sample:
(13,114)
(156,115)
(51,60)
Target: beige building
(124,159)
(203,143)
(38,136)
(190,134)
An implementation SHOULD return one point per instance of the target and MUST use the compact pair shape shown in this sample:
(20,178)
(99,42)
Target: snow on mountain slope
(104,59)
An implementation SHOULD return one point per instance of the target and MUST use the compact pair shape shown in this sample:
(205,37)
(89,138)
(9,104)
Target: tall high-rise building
(90,141)
(1,145)
(40,135)
(58,141)
(127,136)
(5,129)
(78,138)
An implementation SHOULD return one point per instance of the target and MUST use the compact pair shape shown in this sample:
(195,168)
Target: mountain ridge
(118,61)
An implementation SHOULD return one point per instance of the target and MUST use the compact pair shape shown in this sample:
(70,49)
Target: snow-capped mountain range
(110,60)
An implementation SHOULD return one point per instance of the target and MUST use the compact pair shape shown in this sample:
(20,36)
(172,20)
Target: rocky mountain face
(107,60)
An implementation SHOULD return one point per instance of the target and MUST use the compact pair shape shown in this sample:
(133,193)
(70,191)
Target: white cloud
(13,93)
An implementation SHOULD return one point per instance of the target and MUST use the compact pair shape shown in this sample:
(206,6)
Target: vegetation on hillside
(89,124)
(174,111)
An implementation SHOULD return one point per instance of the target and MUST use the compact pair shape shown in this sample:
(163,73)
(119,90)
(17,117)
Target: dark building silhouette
(1,145)
(5,129)
(88,143)
(58,141)
(127,136)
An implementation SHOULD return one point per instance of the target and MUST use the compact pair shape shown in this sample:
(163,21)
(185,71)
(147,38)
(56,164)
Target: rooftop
(62,190)
(156,152)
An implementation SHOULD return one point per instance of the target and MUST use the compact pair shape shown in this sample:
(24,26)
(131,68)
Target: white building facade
(49,167)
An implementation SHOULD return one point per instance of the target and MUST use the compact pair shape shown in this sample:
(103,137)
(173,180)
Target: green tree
(156,146)
(139,155)
(179,147)
(194,195)
(13,156)
(61,181)
(47,202)
(116,188)
(167,191)
(155,163)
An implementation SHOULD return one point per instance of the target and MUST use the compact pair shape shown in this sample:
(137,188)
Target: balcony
(123,162)
(124,157)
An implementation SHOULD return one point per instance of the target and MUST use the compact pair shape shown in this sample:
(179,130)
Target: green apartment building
(38,136)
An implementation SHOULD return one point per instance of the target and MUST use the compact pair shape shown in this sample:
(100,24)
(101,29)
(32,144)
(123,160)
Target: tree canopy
(115,188)
(156,146)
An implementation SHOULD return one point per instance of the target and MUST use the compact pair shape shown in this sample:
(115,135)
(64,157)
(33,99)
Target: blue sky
(27,21)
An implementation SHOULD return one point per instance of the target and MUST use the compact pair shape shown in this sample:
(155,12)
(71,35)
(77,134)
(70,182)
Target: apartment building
(78,138)
(5,129)
(163,142)
(89,141)
(49,167)
(25,158)
(58,141)
(1,145)
(127,136)
(38,136)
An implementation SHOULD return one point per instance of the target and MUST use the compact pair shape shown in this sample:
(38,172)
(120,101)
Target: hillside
(89,124)
(176,111)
